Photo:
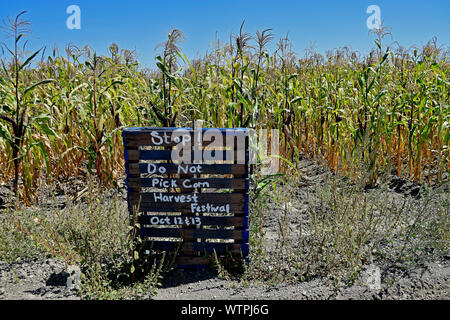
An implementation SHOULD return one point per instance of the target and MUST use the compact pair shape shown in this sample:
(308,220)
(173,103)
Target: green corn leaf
(34,86)
(29,60)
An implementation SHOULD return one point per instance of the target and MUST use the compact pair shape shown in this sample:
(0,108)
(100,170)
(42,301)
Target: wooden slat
(188,214)
(172,198)
(145,139)
(183,261)
(244,175)
(163,137)
(227,221)
(170,168)
(133,155)
(236,209)
(193,233)
(131,175)
(199,246)
(245,190)
(159,130)
(214,183)
(213,155)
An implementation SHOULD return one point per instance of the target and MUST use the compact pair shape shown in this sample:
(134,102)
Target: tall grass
(389,109)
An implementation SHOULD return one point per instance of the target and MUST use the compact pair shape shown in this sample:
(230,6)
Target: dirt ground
(34,280)
(45,278)
(37,280)
(431,281)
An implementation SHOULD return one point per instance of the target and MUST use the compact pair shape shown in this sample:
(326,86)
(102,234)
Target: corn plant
(388,110)
(18,100)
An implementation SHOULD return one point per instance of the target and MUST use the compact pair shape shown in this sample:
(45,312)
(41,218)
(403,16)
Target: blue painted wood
(237,209)
(127,170)
(210,137)
(202,198)
(171,168)
(197,246)
(210,183)
(224,131)
(167,155)
(241,232)
(194,233)
(221,221)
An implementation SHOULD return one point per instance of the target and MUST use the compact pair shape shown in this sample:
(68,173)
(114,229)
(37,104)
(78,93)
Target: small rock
(290,207)
(74,278)
(372,277)
(22,274)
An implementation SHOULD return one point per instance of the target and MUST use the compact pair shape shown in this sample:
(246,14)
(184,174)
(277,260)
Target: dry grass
(342,227)
(92,232)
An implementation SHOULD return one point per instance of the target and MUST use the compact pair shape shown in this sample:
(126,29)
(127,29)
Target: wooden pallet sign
(190,188)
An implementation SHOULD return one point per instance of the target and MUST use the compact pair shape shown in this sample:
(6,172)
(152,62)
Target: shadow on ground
(179,277)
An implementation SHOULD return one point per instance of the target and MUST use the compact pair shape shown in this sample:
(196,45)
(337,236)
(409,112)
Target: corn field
(61,114)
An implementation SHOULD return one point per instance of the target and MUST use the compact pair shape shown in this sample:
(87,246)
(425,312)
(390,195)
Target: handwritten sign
(191,188)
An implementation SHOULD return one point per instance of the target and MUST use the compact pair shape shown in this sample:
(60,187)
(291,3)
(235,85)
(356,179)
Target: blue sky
(143,24)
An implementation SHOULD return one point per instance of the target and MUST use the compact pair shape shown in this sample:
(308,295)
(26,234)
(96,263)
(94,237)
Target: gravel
(427,282)
(36,280)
